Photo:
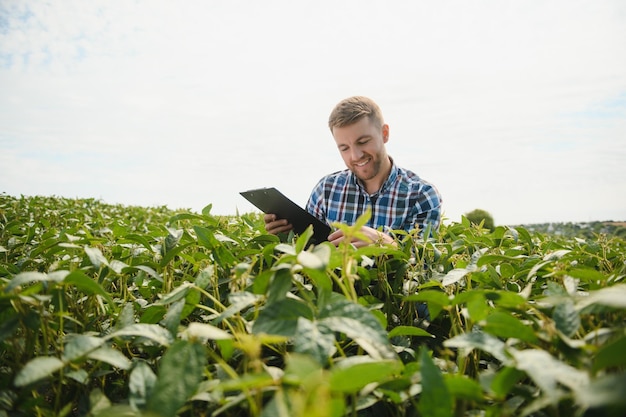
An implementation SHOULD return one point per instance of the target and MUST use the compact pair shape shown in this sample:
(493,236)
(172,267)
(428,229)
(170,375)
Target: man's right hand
(274,225)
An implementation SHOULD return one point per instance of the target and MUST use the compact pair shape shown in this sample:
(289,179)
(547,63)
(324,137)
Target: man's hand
(274,225)
(373,235)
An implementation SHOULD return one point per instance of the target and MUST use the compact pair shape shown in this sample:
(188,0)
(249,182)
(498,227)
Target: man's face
(362,147)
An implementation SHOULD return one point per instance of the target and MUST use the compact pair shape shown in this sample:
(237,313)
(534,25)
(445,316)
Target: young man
(398,198)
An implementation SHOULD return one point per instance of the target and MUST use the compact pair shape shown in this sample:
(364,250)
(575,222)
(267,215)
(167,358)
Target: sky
(517,107)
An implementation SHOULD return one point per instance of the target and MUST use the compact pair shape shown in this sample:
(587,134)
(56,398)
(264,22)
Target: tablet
(272,201)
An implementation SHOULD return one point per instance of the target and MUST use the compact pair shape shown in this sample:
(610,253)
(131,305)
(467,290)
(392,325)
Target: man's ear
(385,130)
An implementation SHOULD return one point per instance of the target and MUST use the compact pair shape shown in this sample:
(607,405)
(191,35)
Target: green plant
(109,310)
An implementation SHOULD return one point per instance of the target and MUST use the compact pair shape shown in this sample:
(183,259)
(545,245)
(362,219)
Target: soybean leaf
(317,341)
(238,302)
(87,285)
(281,317)
(566,317)
(507,326)
(172,316)
(408,331)
(505,380)
(455,276)
(111,356)
(79,345)
(587,275)
(435,399)
(96,257)
(614,296)
(436,301)
(153,332)
(352,376)
(137,239)
(28,277)
(205,332)
(359,324)
(279,286)
(180,372)
(548,372)
(479,340)
(140,384)
(460,386)
(611,354)
(608,391)
(148,270)
(36,369)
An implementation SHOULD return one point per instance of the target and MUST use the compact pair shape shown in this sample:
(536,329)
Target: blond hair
(353,109)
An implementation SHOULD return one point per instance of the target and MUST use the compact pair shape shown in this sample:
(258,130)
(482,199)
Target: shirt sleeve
(315,204)
(427,210)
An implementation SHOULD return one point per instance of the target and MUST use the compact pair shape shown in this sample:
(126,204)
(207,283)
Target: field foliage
(109,310)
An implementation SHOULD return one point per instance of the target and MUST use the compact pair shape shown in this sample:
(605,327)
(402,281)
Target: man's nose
(356,153)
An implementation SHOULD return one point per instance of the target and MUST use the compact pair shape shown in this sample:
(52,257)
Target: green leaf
(462,387)
(490,259)
(111,356)
(206,237)
(135,238)
(140,384)
(238,302)
(587,275)
(548,372)
(180,372)
(172,316)
(359,324)
(479,340)
(350,375)
(87,285)
(79,345)
(611,354)
(477,306)
(505,380)
(607,391)
(507,326)
(204,332)
(454,276)
(148,270)
(435,300)
(316,259)
(303,239)
(317,341)
(176,294)
(246,381)
(96,257)
(435,399)
(505,298)
(566,318)
(408,331)
(153,332)
(614,296)
(281,317)
(28,277)
(36,369)
(279,286)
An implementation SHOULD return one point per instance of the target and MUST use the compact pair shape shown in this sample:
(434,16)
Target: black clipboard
(272,201)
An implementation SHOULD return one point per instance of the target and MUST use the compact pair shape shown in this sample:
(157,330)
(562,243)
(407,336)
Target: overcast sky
(515,107)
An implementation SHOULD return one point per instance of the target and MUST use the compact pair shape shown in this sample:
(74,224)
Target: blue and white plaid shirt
(404,202)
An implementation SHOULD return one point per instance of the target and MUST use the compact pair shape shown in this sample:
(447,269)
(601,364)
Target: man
(398,198)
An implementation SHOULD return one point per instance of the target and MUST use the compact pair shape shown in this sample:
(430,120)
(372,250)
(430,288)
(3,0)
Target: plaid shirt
(404,202)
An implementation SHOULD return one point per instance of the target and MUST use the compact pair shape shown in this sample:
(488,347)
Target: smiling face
(362,147)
